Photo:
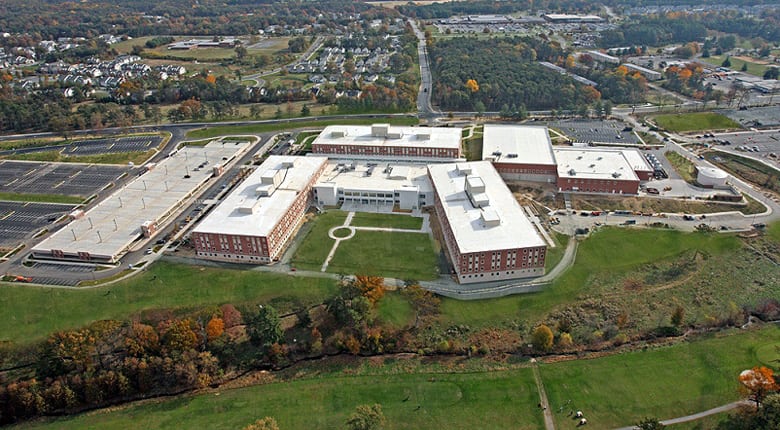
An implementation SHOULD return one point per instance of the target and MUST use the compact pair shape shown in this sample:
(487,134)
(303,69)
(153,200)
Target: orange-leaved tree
(757,383)
(371,287)
(215,328)
(472,85)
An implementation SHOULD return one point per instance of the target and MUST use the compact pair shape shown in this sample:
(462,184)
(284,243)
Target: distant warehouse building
(255,221)
(487,234)
(562,18)
(383,141)
(601,57)
(650,75)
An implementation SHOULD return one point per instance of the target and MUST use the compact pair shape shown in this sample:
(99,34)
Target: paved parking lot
(596,132)
(72,268)
(766,116)
(44,280)
(18,220)
(764,145)
(97,146)
(56,178)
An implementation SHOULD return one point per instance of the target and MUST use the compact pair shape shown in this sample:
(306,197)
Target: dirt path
(549,424)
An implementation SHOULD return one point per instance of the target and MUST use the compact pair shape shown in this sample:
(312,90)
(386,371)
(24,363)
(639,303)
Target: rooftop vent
(615,174)
(572,172)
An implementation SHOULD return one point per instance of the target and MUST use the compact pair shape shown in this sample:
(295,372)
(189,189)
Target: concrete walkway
(693,417)
(338,240)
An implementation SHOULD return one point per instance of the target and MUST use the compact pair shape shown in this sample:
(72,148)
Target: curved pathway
(697,416)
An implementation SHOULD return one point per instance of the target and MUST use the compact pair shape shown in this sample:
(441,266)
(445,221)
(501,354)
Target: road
(424,106)
(697,416)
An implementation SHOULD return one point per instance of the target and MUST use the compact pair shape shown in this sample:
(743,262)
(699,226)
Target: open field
(612,391)
(554,255)
(40,198)
(316,245)
(220,130)
(371,219)
(33,313)
(666,382)
(683,166)
(389,254)
(697,121)
(409,401)
(267,46)
(747,169)
(753,68)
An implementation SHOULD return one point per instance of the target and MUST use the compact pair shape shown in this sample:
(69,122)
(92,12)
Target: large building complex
(487,234)
(109,230)
(386,142)
(525,153)
(405,186)
(255,221)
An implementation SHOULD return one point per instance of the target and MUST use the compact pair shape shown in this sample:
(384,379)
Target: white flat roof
(402,175)
(636,160)
(108,229)
(229,218)
(531,144)
(514,229)
(434,137)
(594,164)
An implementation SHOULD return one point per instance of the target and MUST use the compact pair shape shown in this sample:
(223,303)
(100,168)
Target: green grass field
(698,121)
(32,313)
(608,253)
(316,245)
(46,198)
(370,219)
(612,391)
(393,309)
(684,167)
(409,401)
(665,383)
(389,254)
(754,69)
(554,255)
(219,130)
(135,157)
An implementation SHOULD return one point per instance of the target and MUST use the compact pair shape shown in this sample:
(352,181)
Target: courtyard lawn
(409,401)
(219,130)
(610,252)
(697,121)
(389,254)
(315,245)
(31,313)
(666,382)
(370,219)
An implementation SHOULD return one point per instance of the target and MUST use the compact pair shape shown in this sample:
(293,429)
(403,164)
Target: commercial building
(386,185)
(255,221)
(601,57)
(386,142)
(562,18)
(487,234)
(650,75)
(595,171)
(110,229)
(520,153)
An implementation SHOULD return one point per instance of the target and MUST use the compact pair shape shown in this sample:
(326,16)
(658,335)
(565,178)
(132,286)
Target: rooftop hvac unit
(395,134)
(424,136)
(338,133)
(463,169)
(287,164)
(380,130)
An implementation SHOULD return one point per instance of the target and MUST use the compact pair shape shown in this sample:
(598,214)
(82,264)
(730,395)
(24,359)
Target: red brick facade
(386,150)
(257,249)
(585,185)
(516,171)
(489,265)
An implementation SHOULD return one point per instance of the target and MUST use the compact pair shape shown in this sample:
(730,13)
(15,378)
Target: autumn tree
(542,338)
(267,423)
(230,315)
(179,335)
(757,383)
(215,328)
(472,85)
(367,417)
(371,287)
